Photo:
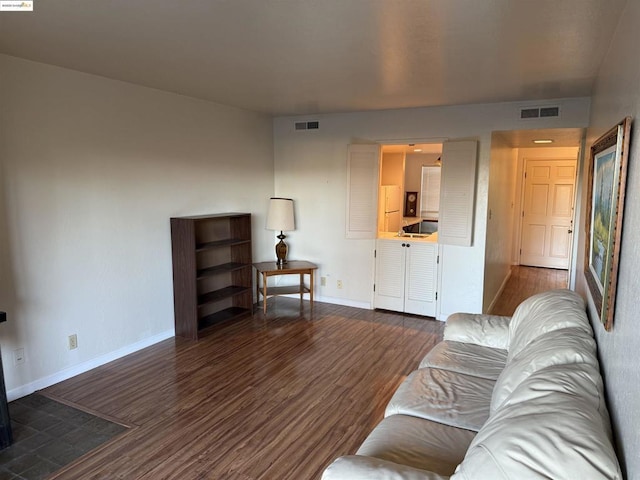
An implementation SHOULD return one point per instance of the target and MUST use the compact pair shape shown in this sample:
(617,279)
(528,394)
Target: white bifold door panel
(457,192)
(406,276)
(362,191)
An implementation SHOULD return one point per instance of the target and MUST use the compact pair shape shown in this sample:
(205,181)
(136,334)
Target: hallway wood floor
(525,282)
(275,396)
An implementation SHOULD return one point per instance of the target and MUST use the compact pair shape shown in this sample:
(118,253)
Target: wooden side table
(270,269)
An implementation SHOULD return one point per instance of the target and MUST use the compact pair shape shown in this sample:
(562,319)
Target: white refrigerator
(390,205)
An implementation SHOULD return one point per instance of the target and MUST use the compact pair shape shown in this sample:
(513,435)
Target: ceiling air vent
(307,125)
(539,112)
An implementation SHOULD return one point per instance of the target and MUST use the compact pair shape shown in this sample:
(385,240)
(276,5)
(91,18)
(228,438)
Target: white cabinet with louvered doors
(406,276)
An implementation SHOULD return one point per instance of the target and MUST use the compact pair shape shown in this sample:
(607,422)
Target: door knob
(569,231)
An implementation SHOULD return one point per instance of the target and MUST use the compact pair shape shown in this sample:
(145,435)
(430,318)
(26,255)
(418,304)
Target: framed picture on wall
(605,208)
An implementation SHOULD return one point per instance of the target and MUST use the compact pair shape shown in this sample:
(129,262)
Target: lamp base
(281,250)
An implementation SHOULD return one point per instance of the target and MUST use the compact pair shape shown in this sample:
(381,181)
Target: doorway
(511,153)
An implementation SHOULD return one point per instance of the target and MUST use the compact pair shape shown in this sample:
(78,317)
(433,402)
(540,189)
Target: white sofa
(498,398)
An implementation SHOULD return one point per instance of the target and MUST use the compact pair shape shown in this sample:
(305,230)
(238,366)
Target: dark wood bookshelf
(212,277)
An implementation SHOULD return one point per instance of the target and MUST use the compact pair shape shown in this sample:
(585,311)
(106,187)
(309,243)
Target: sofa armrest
(359,467)
(480,329)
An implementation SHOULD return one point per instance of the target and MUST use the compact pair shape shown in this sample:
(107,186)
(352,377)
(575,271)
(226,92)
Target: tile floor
(48,435)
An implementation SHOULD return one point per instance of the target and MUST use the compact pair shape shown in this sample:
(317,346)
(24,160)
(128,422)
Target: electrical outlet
(339,284)
(18,356)
(73,342)
(323,281)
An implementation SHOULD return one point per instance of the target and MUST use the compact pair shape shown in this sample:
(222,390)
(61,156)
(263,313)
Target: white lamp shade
(280,216)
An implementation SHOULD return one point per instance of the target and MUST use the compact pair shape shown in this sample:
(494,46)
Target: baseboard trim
(332,300)
(83,367)
(343,302)
(500,290)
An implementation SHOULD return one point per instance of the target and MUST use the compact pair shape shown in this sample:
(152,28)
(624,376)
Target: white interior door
(547,223)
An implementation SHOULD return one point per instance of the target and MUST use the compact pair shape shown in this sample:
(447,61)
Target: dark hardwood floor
(525,282)
(275,396)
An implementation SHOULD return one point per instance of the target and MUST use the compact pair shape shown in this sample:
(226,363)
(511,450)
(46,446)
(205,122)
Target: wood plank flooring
(525,282)
(275,396)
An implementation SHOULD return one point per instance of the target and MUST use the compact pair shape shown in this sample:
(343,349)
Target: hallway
(525,282)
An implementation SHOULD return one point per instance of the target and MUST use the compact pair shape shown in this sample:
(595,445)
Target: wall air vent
(539,112)
(529,113)
(307,125)
(550,112)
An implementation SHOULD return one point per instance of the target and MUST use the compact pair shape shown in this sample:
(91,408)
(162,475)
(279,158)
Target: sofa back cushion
(553,425)
(544,313)
(558,347)
(478,329)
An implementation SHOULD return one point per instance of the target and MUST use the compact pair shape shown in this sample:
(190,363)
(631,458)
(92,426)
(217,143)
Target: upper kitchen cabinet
(392,168)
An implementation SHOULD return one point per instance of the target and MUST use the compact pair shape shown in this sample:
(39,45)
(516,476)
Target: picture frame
(605,207)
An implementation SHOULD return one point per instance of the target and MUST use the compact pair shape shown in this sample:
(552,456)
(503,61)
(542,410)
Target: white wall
(616,95)
(91,170)
(500,219)
(310,166)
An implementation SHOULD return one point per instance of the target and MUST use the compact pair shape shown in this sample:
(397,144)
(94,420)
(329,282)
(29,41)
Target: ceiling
(285,57)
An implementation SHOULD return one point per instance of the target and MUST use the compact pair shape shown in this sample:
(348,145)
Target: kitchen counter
(433,238)
(408,221)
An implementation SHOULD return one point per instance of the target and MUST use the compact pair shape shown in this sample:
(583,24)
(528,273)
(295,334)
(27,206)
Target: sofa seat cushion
(417,443)
(357,467)
(467,358)
(545,312)
(559,347)
(443,396)
(480,329)
(553,425)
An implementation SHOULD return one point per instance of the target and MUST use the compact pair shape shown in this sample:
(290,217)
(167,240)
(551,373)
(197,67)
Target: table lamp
(280,217)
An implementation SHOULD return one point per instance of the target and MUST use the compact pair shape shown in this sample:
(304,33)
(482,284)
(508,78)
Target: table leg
(264,292)
(301,286)
(257,287)
(311,287)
